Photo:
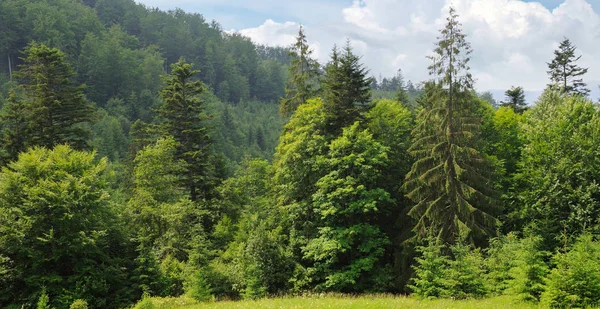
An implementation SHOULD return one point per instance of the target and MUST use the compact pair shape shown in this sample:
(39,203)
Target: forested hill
(149,153)
(120,49)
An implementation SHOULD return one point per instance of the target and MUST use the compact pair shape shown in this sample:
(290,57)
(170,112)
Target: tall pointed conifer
(186,120)
(448,182)
(304,72)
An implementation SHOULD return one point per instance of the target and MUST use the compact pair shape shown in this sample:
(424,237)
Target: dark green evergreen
(186,120)
(515,98)
(346,89)
(304,73)
(449,182)
(565,74)
(52,110)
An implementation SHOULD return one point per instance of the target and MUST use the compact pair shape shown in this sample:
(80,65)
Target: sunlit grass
(343,301)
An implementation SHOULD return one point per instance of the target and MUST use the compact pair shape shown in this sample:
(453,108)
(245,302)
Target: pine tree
(52,111)
(185,120)
(448,181)
(347,89)
(515,98)
(304,72)
(565,75)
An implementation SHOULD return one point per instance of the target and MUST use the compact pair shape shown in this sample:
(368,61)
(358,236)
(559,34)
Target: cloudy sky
(512,39)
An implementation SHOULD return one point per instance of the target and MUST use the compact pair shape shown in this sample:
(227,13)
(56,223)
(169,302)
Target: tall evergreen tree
(515,98)
(564,73)
(304,72)
(448,181)
(54,109)
(185,119)
(347,88)
(401,93)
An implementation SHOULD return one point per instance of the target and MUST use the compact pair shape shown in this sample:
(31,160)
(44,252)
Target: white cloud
(512,39)
(272,33)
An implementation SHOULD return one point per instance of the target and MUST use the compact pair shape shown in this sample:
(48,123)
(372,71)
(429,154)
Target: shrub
(429,278)
(198,287)
(44,300)
(575,282)
(145,303)
(465,273)
(79,304)
(527,275)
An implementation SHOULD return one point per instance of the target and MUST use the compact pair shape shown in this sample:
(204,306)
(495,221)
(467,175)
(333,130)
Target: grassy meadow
(338,302)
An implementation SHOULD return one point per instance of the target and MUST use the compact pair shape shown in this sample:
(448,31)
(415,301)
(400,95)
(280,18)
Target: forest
(151,153)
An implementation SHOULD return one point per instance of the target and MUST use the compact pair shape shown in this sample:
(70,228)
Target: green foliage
(575,282)
(79,304)
(557,184)
(57,227)
(349,245)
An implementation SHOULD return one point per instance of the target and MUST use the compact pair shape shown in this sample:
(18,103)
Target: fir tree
(565,75)
(304,72)
(52,111)
(401,93)
(448,181)
(347,89)
(185,120)
(515,98)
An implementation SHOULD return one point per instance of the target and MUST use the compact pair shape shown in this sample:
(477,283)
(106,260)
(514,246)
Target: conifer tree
(515,98)
(448,181)
(185,120)
(565,75)
(52,111)
(347,89)
(401,93)
(304,72)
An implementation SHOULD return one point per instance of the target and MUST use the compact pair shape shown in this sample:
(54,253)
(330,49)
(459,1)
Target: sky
(512,39)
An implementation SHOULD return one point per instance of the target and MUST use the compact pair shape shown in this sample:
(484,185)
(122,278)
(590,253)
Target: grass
(343,302)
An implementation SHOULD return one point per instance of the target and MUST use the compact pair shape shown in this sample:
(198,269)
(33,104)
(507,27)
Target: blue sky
(512,39)
(246,14)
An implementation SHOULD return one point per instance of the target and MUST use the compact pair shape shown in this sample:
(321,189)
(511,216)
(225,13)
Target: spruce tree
(186,121)
(347,89)
(565,75)
(304,72)
(515,98)
(401,93)
(52,110)
(448,181)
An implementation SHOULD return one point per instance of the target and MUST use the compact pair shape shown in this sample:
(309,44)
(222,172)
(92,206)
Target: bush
(429,278)
(198,287)
(79,304)
(44,300)
(575,282)
(465,273)
(500,259)
(527,275)
(145,303)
